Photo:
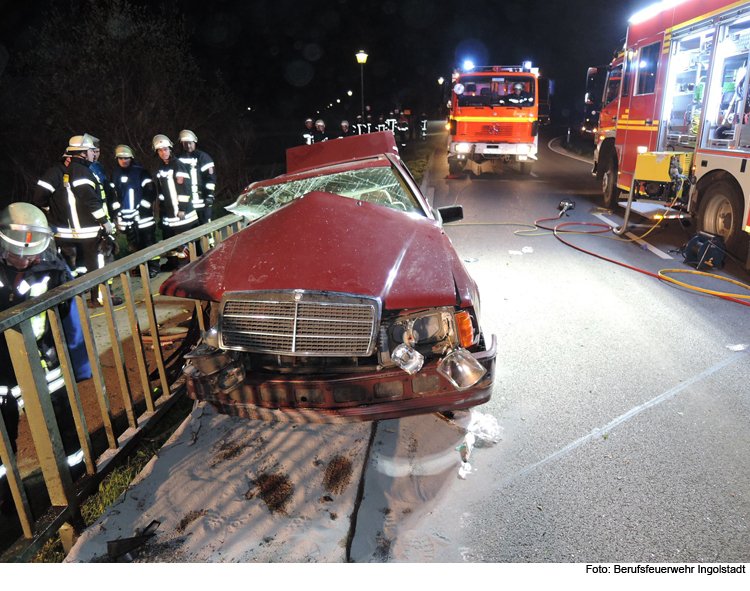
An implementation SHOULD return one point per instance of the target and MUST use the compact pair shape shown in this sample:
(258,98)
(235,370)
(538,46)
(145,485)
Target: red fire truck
(494,116)
(676,99)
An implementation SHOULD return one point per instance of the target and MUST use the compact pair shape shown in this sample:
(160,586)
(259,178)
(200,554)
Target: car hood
(332,243)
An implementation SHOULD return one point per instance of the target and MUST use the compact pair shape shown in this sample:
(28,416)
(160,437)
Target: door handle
(649,121)
(614,118)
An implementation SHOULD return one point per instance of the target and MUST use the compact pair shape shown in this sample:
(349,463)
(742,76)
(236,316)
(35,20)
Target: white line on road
(564,152)
(661,254)
(624,417)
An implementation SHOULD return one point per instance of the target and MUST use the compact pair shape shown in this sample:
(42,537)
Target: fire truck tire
(609,183)
(526,168)
(454,167)
(720,212)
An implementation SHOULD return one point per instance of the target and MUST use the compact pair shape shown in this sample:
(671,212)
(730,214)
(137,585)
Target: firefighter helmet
(81,143)
(344,122)
(320,122)
(161,141)
(24,230)
(123,151)
(518,86)
(188,136)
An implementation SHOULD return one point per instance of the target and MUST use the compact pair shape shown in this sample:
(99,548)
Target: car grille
(299,323)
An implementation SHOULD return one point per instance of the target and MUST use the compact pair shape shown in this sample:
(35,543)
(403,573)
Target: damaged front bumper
(379,394)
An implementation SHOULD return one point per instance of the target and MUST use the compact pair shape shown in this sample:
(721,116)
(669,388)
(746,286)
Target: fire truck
(595,78)
(494,116)
(674,130)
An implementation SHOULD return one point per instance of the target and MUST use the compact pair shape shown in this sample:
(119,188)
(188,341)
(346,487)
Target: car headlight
(430,332)
(463,148)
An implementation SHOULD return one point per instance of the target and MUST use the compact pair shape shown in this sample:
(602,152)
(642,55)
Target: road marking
(661,254)
(624,417)
(564,152)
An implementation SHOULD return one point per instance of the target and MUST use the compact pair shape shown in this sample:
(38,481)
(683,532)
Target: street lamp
(361,60)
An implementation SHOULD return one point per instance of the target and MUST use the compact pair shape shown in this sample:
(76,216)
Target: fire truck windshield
(496,91)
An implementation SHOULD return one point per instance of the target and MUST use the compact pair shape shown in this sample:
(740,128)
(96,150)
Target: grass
(117,481)
(583,146)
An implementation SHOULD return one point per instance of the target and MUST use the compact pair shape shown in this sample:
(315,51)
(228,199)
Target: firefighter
(381,126)
(307,134)
(29,267)
(403,129)
(67,195)
(519,98)
(423,125)
(320,134)
(391,122)
(202,176)
(345,129)
(136,194)
(370,124)
(360,126)
(175,201)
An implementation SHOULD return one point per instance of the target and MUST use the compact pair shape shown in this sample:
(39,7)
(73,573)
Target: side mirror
(449,214)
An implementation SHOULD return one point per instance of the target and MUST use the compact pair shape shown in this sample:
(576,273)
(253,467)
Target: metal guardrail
(15,323)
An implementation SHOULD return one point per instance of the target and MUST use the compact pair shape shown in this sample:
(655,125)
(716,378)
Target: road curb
(563,152)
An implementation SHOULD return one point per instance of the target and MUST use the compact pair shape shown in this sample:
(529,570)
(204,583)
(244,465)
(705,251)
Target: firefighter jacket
(67,194)
(18,286)
(403,124)
(307,136)
(135,195)
(391,124)
(104,189)
(173,185)
(202,177)
(520,100)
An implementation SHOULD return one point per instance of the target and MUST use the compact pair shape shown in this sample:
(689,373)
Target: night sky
(289,58)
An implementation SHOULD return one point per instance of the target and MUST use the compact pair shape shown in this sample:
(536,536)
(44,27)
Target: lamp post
(361,60)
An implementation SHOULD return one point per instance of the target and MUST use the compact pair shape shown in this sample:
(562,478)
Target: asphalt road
(623,402)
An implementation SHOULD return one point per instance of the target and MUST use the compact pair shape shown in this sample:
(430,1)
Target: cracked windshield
(375,185)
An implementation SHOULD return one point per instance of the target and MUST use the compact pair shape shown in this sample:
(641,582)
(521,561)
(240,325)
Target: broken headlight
(429,332)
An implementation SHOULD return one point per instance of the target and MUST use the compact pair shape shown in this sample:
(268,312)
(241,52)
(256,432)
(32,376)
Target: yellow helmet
(123,151)
(81,143)
(188,136)
(24,229)
(161,141)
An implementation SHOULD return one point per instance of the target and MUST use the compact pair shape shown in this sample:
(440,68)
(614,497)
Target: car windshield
(379,185)
(496,91)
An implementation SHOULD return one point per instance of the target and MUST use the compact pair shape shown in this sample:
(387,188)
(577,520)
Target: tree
(120,73)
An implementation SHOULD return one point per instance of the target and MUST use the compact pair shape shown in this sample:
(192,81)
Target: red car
(342,299)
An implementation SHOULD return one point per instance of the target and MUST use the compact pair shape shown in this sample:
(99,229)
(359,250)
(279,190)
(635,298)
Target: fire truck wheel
(720,212)
(609,184)
(454,168)
(526,168)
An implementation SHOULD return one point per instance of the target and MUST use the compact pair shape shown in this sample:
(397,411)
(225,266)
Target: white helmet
(24,230)
(518,86)
(320,122)
(81,143)
(188,136)
(123,151)
(161,141)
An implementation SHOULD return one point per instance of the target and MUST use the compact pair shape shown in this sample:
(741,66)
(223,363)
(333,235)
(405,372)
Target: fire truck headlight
(463,148)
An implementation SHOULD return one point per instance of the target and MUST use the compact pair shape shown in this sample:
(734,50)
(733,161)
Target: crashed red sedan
(341,300)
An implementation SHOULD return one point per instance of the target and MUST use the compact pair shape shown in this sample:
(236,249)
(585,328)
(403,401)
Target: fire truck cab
(677,98)
(494,116)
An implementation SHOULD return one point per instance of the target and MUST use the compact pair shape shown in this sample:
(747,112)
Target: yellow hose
(708,291)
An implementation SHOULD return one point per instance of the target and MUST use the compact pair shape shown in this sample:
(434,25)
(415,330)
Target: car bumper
(493,150)
(379,394)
